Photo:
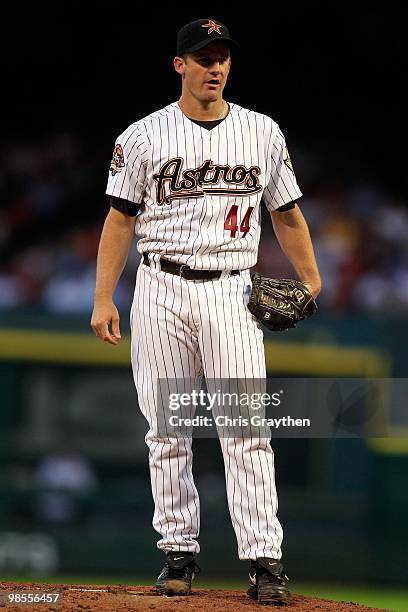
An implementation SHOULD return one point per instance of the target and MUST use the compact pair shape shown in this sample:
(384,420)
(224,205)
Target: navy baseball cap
(198,34)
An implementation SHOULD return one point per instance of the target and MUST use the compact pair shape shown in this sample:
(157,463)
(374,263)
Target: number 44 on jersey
(231,221)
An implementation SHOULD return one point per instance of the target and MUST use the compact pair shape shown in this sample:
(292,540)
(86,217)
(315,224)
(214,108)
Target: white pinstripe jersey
(200,190)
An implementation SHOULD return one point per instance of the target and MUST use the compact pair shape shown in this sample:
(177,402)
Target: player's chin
(212,96)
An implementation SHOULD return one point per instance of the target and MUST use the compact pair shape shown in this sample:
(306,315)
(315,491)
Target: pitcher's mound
(105,598)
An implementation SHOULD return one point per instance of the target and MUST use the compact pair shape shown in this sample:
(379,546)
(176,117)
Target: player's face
(205,72)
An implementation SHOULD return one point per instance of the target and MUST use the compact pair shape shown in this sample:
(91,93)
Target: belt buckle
(181,270)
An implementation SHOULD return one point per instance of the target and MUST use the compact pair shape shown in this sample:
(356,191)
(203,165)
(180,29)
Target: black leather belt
(185,271)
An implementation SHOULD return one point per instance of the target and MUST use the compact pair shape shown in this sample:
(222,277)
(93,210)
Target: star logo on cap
(212,27)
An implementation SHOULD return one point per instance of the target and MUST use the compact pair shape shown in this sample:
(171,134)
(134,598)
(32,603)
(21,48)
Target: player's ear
(179,64)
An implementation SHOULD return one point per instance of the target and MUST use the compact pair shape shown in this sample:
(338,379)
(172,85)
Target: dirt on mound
(102,598)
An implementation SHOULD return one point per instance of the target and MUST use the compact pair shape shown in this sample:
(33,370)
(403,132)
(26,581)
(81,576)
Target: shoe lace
(278,578)
(175,573)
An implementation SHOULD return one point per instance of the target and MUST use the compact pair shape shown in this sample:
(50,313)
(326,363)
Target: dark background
(332,76)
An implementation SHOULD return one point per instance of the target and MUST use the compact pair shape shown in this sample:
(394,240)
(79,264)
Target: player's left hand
(313,288)
(280,303)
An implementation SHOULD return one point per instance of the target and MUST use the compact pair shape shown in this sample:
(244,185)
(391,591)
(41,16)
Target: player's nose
(215,68)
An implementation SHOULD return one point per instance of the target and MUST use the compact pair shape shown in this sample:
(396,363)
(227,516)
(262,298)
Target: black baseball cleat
(268,582)
(177,574)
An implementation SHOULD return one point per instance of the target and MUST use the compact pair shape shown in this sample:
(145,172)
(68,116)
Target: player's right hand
(105,314)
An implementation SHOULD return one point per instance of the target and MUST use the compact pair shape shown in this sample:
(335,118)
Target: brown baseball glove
(279,303)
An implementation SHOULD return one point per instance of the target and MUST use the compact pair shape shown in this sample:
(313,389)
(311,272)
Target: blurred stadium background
(74,484)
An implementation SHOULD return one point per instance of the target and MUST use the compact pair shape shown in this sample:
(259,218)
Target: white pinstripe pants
(183,329)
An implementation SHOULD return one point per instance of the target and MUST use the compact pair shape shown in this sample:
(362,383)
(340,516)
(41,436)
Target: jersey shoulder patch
(118,160)
(287,160)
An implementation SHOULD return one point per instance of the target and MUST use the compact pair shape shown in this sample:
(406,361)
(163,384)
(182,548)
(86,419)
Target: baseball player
(189,180)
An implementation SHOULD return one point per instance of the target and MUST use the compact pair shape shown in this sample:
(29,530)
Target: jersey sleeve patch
(118,160)
(287,160)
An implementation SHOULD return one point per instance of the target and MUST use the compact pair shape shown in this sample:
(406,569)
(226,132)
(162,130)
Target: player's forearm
(293,236)
(113,251)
